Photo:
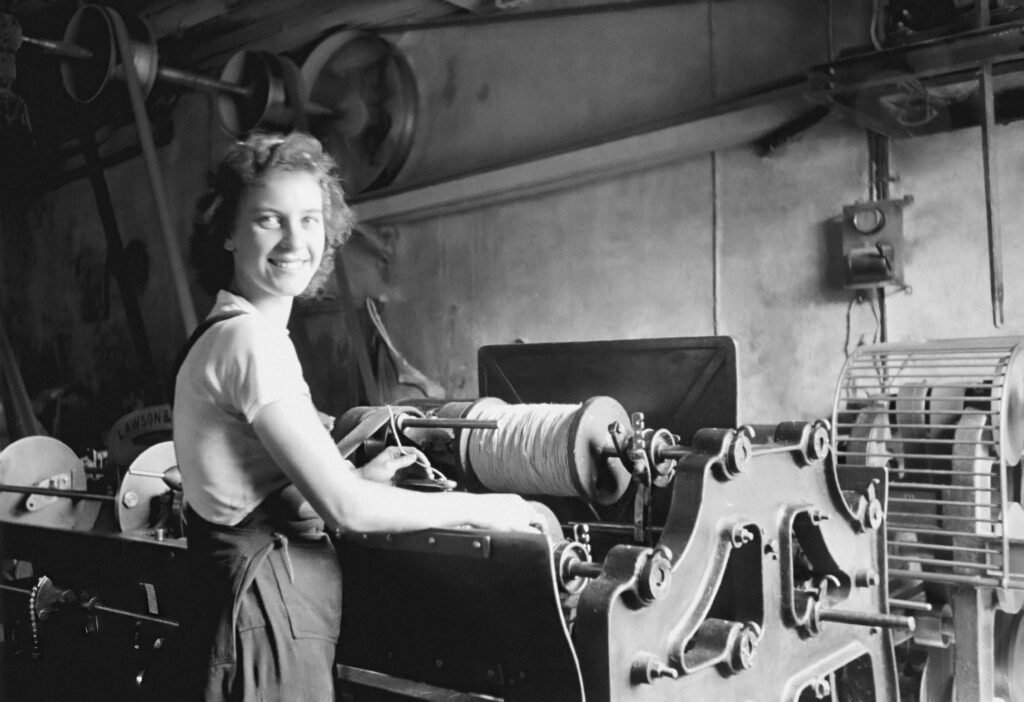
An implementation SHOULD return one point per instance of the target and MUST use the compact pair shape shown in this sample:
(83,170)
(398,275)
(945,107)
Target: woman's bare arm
(296,439)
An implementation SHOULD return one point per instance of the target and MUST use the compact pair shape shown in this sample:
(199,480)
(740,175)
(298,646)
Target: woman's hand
(385,464)
(507,512)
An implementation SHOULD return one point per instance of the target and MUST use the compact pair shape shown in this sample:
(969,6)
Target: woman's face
(278,238)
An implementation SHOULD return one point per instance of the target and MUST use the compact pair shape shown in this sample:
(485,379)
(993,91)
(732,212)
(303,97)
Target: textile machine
(695,560)
(686,557)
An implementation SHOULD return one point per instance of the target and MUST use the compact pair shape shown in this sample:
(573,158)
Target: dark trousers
(263,614)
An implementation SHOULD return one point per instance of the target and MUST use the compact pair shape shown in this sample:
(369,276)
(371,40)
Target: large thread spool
(546,449)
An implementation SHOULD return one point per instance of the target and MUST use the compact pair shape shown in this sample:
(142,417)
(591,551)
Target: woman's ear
(229,244)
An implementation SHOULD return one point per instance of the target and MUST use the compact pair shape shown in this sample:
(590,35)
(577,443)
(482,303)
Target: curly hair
(247,164)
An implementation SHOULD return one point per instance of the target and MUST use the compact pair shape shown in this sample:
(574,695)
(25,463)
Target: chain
(33,616)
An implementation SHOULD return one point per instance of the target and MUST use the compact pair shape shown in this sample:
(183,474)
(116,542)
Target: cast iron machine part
(762,550)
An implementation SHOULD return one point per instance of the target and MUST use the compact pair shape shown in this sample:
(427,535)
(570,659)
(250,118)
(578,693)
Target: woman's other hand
(506,512)
(385,464)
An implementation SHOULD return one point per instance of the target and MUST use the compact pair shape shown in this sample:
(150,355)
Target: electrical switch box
(872,243)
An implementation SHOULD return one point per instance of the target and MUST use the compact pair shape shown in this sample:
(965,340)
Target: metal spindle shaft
(186,79)
(174,76)
(442,423)
(886,621)
(92,605)
(59,48)
(56,492)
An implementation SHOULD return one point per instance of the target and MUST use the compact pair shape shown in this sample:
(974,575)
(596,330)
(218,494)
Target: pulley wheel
(937,683)
(1009,656)
(144,482)
(362,104)
(970,503)
(43,461)
(272,84)
(1011,443)
(92,28)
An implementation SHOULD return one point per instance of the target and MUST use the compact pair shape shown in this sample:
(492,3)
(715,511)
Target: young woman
(265,597)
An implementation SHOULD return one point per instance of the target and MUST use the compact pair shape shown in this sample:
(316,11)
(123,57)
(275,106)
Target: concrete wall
(726,243)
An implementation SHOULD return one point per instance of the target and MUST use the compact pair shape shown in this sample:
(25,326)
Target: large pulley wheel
(271,98)
(40,461)
(92,28)
(362,100)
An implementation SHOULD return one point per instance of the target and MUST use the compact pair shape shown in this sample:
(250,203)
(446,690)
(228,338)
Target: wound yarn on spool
(529,451)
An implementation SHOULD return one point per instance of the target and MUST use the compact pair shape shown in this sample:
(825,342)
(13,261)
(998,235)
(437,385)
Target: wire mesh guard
(947,420)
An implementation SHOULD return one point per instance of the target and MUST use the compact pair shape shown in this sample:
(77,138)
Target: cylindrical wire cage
(946,418)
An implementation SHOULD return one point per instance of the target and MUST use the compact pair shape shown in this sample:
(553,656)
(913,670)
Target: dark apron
(264,611)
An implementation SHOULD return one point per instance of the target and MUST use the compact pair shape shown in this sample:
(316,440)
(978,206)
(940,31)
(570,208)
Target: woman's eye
(269,222)
(311,220)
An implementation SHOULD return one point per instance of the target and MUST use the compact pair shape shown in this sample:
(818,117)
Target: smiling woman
(245,171)
(278,240)
(260,474)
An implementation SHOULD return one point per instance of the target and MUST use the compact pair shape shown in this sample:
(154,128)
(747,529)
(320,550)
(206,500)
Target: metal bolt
(741,535)
(130,499)
(867,578)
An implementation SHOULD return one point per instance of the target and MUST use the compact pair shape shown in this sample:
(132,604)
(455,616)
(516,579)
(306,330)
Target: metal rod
(887,621)
(200,82)
(945,532)
(757,450)
(995,235)
(890,424)
(946,577)
(945,488)
(673,452)
(60,48)
(938,547)
(926,412)
(92,605)
(56,492)
(941,564)
(910,604)
(441,423)
(612,527)
(944,473)
(933,519)
(585,569)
